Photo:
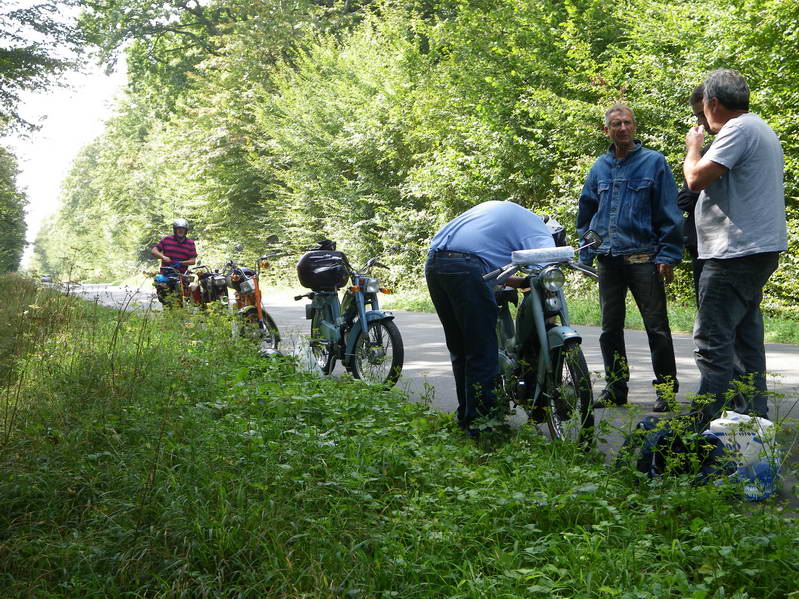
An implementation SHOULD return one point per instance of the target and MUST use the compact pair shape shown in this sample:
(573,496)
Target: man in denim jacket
(630,199)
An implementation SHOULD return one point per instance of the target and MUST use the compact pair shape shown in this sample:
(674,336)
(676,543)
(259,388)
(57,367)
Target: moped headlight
(247,286)
(552,278)
(552,304)
(371,286)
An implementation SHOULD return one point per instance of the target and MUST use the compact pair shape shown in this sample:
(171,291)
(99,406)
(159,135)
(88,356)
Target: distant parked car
(47,279)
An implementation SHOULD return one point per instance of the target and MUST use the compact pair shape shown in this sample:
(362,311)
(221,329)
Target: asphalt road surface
(427,375)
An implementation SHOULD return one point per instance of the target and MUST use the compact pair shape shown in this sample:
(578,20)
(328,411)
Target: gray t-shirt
(743,212)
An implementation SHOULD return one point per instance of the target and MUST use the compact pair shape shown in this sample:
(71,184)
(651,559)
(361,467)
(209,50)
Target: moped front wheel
(322,349)
(570,413)
(267,336)
(379,354)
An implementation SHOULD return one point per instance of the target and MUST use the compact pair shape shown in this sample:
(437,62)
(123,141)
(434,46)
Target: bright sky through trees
(70,118)
(69,115)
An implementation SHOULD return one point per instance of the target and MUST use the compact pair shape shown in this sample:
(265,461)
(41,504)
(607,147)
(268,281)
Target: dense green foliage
(373,123)
(155,456)
(12,214)
(38,42)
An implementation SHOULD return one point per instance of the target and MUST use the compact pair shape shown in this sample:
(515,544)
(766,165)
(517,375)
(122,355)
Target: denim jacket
(632,203)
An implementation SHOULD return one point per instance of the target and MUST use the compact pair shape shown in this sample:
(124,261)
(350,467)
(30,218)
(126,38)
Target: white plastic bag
(750,442)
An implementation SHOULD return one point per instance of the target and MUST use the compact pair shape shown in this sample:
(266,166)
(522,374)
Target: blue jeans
(468,313)
(615,279)
(729,326)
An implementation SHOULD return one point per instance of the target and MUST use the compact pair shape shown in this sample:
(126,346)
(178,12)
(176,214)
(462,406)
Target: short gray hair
(729,88)
(617,108)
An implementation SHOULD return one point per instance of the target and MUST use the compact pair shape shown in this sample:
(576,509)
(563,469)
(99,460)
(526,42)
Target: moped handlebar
(584,268)
(501,274)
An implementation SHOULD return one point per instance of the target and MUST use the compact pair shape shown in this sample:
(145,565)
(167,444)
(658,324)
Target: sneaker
(610,397)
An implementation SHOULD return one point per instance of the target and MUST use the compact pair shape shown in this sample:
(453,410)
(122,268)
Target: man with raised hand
(687,198)
(630,200)
(741,229)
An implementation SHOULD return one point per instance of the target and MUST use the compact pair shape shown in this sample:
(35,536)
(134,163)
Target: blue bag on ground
(659,447)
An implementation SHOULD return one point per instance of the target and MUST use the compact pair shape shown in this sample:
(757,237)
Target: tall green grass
(156,456)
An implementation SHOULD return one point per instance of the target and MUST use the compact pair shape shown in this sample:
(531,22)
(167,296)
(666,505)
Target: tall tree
(12,214)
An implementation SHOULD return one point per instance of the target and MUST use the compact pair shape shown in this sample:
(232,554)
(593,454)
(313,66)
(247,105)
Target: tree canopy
(372,123)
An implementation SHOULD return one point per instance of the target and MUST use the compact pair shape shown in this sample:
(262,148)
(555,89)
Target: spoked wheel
(379,354)
(322,348)
(569,414)
(267,336)
(270,336)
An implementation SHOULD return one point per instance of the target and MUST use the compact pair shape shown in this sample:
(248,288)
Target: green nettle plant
(155,455)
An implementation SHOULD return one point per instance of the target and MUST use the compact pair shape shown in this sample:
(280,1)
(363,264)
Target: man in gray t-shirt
(740,225)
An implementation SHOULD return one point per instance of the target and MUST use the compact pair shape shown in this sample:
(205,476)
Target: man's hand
(665,272)
(695,138)
(517,282)
(165,259)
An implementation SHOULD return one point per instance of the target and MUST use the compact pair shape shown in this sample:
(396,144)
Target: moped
(171,287)
(208,287)
(542,368)
(367,341)
(253,320)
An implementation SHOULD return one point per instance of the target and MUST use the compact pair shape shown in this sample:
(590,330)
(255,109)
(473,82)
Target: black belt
(451,254)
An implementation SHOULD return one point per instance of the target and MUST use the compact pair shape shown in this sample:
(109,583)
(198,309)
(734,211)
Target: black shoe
(661,405)
(609,398)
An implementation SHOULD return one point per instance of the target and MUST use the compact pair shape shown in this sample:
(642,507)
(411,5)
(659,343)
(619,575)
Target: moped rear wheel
(379,354)
(322,349)
(570,413)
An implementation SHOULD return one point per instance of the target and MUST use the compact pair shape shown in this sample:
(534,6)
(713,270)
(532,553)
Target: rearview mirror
(592,239)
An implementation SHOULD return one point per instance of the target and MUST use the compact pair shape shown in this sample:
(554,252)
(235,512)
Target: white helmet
(180,223)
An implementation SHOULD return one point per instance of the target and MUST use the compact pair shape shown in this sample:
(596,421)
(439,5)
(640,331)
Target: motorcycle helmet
(180,223)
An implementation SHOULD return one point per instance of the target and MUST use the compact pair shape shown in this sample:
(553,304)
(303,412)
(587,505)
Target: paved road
(427,373)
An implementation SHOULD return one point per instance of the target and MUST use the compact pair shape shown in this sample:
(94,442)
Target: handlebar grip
(493,274)
(299,297)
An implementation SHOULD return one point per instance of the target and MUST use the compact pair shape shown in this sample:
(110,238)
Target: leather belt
(451,254)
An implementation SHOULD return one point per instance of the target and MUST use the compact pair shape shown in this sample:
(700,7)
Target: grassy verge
(584,310)
(156,456)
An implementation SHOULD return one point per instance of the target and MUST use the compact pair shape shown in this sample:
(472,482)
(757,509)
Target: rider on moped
(176,253)
(471,245)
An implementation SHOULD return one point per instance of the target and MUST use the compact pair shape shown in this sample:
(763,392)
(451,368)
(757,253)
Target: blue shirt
(491,231)
(632,203)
